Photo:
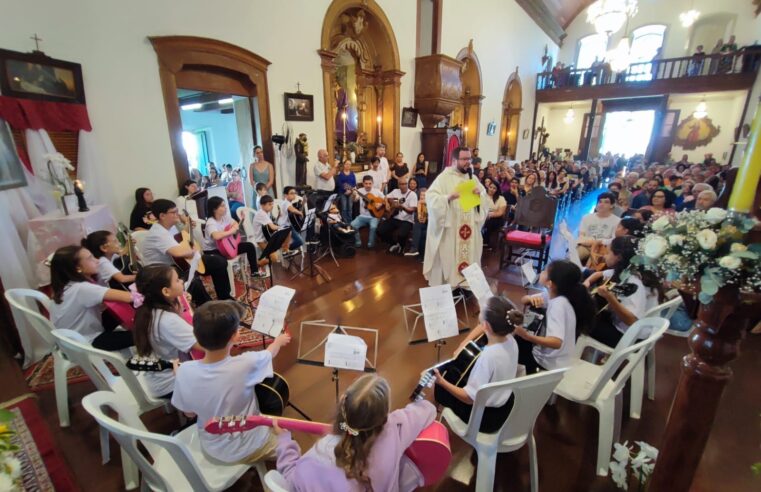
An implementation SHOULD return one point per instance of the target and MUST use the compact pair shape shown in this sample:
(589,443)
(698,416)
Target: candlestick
(378,119)
(343,117)
(746,182)
(80,192)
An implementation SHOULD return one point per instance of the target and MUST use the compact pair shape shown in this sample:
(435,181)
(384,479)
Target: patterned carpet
(39,376)
(42,466)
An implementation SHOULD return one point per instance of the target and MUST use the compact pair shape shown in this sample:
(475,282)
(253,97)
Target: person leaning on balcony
(696,64)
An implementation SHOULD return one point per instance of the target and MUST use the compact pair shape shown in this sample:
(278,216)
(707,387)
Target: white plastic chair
(125,385)
(665,310)
(531,394)
(22,303)
(275,482)
(601,386)
(139,238)
(178,464)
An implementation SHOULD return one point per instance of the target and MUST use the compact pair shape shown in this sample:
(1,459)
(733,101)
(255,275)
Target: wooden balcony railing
(746,60)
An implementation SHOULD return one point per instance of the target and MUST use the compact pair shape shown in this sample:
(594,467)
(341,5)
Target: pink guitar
(228,245)
(125,312)
(430,452)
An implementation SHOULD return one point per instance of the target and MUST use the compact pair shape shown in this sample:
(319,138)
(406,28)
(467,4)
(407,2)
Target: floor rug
(39,377)
(43,468)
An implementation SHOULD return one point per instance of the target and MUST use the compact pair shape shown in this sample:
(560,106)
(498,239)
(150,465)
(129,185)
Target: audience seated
(396,229)
(599,225)
(141,217)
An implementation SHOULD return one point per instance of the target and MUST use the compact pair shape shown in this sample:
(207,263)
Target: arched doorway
(511,116)
(361,78)
(203,64)
(468,113)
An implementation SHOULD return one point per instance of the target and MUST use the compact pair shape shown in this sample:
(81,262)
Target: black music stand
(311,250)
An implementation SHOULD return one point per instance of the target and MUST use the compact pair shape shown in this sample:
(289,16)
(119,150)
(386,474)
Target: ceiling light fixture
(228,100)
(569,116)
(688,18)
(191,107)
(701,111)
(608,16)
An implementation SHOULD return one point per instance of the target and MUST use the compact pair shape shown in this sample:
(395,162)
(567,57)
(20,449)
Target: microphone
(470,172)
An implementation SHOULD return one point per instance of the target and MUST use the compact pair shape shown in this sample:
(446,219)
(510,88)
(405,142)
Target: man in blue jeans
(365,218)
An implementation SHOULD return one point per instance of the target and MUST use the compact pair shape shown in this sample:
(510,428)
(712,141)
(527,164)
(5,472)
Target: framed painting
(491,128)
(409,117)
(525,134)
(299,107)
(11,168)
(37,76)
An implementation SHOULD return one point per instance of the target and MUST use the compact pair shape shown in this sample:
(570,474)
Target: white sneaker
(412,252)
(395,248)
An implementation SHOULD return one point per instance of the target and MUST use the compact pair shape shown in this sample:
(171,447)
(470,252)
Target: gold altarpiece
(361,77)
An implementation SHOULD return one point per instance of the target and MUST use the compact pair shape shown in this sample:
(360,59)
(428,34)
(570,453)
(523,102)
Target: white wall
(223,132)
(677,38)
(724,109)
(504,37)
(121,74)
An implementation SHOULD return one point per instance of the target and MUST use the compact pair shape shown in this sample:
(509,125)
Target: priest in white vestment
(454,237)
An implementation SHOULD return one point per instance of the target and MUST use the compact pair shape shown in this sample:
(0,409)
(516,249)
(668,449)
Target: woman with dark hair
(219,226)
(495,218)
(621,313)
(661,203)
(421,171)
(551,184)
(78,300)
(643,215)
(141,217)
(570,313)
(213,177)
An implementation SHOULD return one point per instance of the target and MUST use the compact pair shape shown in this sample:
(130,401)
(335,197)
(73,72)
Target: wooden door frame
(246,71)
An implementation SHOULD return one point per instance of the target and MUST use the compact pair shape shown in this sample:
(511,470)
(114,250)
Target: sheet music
(308,219)
(345,352)
(193,267)
(527,268)
(439,312)
(269,317)
(477,282)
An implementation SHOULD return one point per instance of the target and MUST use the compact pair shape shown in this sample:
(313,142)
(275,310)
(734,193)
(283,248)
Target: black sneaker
(260,274)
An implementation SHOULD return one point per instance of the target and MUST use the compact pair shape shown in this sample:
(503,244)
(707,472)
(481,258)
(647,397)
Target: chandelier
(569,116)
(609,15)
(619,57)
(688,18)
(701,111)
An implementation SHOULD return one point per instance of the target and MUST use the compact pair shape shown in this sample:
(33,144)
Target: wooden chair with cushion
(530,233)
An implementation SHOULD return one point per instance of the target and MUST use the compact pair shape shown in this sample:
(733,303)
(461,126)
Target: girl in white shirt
(622,313)
(570,312)
(78,300)
(160,330)
(498,362)
(103,246)
(219,226)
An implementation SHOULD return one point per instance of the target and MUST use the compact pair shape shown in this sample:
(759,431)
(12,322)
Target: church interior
(232,233)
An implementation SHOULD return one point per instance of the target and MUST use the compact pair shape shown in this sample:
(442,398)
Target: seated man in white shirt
(161,248)
(365,218)
(400,225)
(599,225)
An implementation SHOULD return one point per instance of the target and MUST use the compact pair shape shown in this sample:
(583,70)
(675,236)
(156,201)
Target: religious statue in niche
(695,132)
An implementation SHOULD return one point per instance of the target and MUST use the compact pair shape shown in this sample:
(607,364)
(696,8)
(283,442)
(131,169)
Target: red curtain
(24,114)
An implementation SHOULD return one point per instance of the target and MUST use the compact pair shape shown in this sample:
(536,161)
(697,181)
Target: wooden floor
(369,291)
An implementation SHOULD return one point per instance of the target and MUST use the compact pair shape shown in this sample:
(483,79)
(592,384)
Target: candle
(746,182)
(465,136)
(379,128)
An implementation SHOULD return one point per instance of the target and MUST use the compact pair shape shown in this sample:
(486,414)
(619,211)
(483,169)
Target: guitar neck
(224,425)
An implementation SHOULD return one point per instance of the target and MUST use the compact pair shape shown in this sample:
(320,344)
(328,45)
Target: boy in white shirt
(379,178)
(599,225)
(400,225)
(383,166)
(288,207)
(365,218)
(221,385)
(277,235)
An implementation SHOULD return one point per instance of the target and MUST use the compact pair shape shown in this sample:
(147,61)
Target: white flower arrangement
(702,248)
(10,466)
(641,463)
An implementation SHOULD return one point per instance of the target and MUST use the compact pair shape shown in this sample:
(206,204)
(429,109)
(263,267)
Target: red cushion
(524,238)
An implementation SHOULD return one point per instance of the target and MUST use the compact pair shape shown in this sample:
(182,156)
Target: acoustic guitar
(228,245)
(187,239)
(124,236)
(374,204)
(272,394)
(457,369)
(125,312)
(430,452)
(618,290)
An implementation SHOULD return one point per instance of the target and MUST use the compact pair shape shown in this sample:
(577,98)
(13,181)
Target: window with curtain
(591,47)
(645,43)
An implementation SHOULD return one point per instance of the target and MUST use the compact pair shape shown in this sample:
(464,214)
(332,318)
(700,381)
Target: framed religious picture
(409,117)
(491,128)
(299,107)
(525,134)
(11,170)
(37,76)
